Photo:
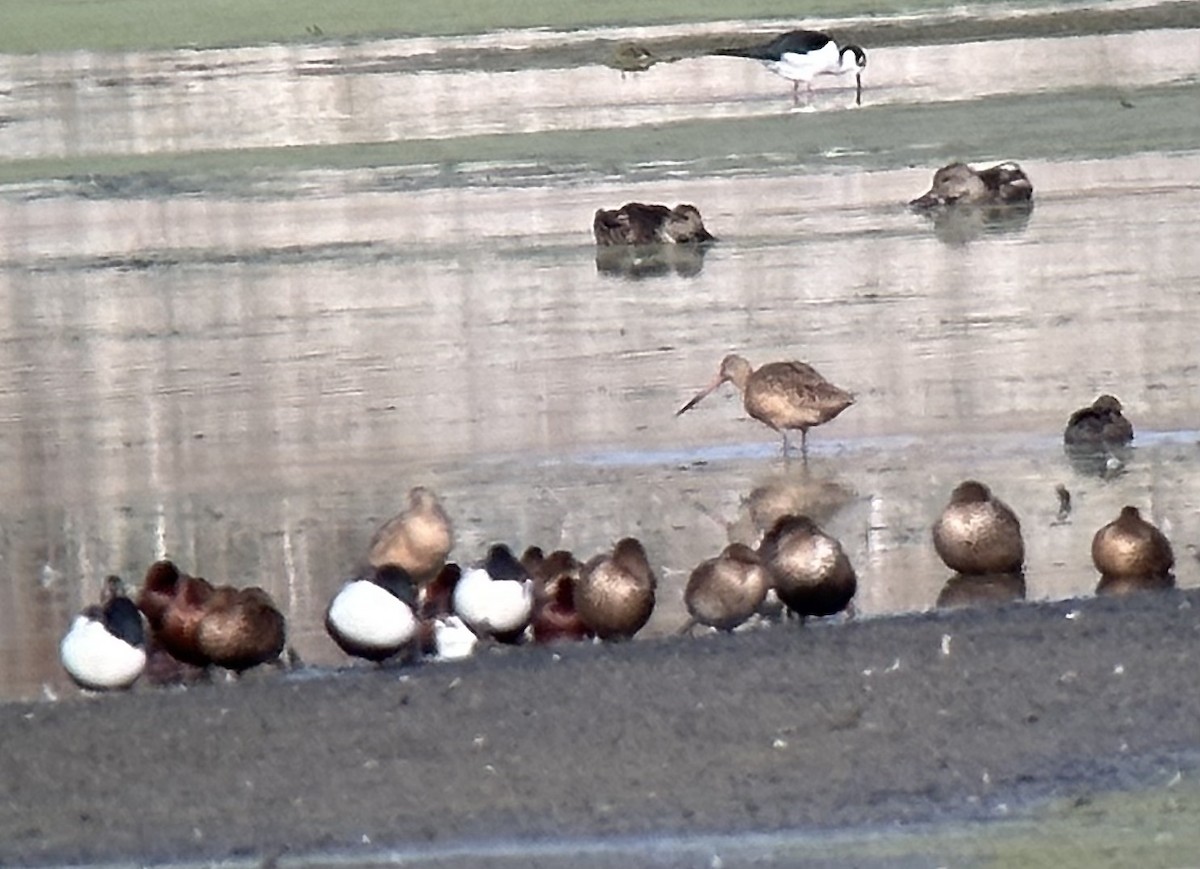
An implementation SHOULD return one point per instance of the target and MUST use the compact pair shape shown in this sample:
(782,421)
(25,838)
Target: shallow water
(246,368)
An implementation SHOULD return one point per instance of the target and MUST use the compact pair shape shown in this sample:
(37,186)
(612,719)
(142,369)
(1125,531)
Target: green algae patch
(109,25)
(1092,123)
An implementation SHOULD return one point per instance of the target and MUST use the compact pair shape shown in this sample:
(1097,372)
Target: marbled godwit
(615,593)
(638,223)
(723,592)
(978,533)
(784,395)
(1002,184)
(811,573)
(418,539)
(1129,550)
(802,55)
(1098,425)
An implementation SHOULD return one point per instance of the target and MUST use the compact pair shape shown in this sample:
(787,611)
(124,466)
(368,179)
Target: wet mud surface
(974,714)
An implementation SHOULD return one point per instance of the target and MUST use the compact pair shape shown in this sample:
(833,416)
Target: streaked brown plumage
(978,533)
(1099,424)
(784,395)
(418,539)
(241,628)
(724,591)
(615,593)
(638,223)
(1130,548)
(1003,184)
(810,572)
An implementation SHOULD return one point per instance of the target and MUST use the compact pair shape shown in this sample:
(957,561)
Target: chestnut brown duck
(723,592)
(639,223)
(616,591)
(959,184)
(1100,424)
(1132,554)
(977,533)
(783,395)
(809,570)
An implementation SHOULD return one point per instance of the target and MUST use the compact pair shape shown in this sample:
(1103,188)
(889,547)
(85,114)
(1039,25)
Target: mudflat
(963,714)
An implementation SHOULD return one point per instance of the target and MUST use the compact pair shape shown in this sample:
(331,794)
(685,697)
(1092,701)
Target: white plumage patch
(492,606)
(372,617)
(96,659)
(454,639)
(805,67)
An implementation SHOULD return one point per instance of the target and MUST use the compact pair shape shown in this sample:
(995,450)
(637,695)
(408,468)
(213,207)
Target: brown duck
(723,592)
(1003,184)
(555,576)
(811,574)
(1131,553)
(638,223)
(241,628)
(418,539)
(978,533)
(615,593)
(1099,424)
(784,395)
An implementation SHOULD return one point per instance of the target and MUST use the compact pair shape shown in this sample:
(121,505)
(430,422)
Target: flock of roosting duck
(408,602)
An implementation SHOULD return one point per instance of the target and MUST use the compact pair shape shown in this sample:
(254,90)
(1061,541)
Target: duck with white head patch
(802,55)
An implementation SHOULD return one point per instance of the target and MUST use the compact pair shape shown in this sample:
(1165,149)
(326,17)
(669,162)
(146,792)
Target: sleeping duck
(638,223)
(959,184)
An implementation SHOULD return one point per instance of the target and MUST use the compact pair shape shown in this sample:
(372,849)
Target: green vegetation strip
(115,25)
(61,25)
(1067,125)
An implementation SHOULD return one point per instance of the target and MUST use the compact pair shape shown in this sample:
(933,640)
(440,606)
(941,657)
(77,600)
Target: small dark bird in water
(958,184)
(1131,553)
(638,223)
(1100,424)
(1064,503)
(802,55)
(977,533)
(784,395)
(809,571)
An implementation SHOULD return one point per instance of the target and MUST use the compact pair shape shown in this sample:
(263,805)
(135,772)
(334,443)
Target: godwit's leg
(796,92)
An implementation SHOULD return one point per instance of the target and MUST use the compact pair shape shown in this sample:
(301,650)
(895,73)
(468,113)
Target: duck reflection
(638,262)
(958,225)
(786,494)
(984,590)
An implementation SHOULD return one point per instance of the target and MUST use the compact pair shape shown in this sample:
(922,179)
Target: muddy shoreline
(957,715)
